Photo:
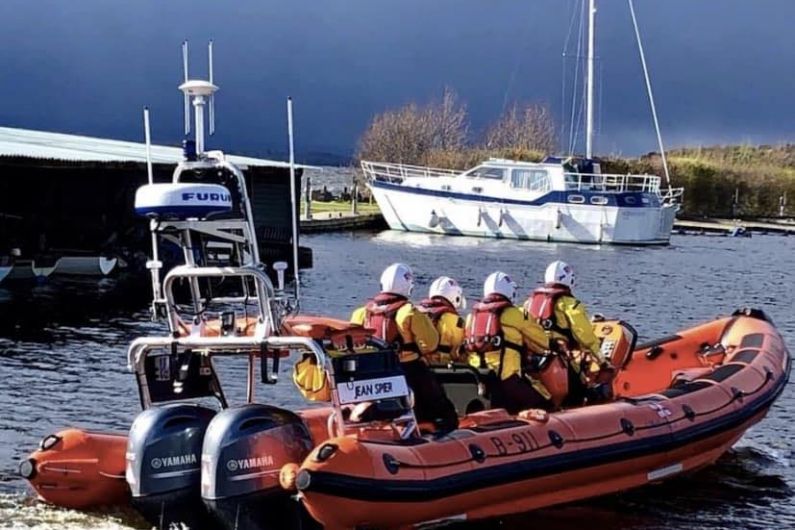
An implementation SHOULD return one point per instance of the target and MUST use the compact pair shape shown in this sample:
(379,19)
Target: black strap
(521,349)
(443,348)
(410,347)
(483,364)
(502,359)
(551,324)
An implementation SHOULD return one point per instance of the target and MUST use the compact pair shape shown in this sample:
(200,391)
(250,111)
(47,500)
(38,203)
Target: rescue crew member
(566,320)
(556,309)
(445,300)
(499,336)
(395,320)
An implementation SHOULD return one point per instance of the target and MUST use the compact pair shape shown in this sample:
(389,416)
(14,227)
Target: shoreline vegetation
(738,181)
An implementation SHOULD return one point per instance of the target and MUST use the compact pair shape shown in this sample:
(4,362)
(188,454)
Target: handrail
(264,287)
(227,346)
(398,172)
(605,182)
(233,345)
(671,194)
(612,182)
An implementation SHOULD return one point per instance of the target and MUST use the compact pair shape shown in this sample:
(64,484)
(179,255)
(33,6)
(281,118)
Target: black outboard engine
(244,450)
(164,465)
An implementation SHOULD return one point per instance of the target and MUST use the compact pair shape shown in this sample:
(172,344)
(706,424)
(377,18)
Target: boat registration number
(372,389)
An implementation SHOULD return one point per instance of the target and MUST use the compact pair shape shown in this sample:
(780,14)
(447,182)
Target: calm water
(62,359)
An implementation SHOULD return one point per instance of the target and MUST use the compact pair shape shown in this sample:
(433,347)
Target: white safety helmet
(448,289)
(500,283)
(560,272)
(397,279)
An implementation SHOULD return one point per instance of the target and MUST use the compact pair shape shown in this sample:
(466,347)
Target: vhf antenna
(199,92)
(185,80)
(212,98)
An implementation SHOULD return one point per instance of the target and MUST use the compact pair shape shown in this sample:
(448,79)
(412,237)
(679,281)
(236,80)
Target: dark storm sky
(722,70)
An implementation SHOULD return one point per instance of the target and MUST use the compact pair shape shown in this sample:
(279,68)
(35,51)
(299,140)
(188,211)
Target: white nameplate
(372,389)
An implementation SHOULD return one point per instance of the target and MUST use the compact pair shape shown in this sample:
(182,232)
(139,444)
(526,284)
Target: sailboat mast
(589,81)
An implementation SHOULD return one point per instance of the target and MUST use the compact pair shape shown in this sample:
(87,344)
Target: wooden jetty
(342,221)
(729,226)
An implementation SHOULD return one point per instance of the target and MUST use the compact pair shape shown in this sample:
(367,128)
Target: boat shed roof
(58,146)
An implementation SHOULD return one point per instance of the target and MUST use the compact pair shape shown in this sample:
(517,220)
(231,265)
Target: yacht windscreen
(530,179)
(484,172)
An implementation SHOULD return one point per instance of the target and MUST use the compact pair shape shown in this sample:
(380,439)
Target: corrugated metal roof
(59,146)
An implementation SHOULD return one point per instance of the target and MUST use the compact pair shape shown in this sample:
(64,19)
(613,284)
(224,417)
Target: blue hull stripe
(630,199)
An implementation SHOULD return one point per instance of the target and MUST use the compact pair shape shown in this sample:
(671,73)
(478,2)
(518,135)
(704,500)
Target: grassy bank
(339,207)
(713,177)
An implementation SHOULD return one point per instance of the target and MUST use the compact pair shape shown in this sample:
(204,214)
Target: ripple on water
(19,512)
(63,360)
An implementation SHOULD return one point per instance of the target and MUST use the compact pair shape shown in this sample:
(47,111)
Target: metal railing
(398,172)
(220,346)
(611,183)
(265,295)
(245,346)
(599,182)
(672,195)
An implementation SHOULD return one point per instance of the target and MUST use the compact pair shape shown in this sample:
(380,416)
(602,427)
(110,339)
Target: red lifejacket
(484,332)
(380,316)
(541,306)
(436,307)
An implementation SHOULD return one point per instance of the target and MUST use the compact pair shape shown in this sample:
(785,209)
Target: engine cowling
(244,450)
(164,464)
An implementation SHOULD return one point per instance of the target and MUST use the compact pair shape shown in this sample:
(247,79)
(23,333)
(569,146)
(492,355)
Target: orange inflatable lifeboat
(679,403)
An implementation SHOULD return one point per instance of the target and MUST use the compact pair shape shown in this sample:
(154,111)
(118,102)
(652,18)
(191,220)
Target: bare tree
(438,134)
(408,134)
(400,135)
(448,122)
(530,128)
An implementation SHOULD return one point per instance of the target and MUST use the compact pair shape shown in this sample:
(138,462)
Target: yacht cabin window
(530,179)
(484,172)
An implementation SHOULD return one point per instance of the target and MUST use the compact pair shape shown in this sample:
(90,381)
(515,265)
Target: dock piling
(308,199)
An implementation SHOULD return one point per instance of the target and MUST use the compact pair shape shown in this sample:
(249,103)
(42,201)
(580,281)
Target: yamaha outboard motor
(244,450)
(164,464)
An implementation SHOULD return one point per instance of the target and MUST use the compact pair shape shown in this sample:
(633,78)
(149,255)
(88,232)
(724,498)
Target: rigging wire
(573,133)
(649,93)
(564,76)
(579,120)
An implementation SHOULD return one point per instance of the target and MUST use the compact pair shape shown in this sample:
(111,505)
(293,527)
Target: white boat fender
(503,215)
(434,222)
